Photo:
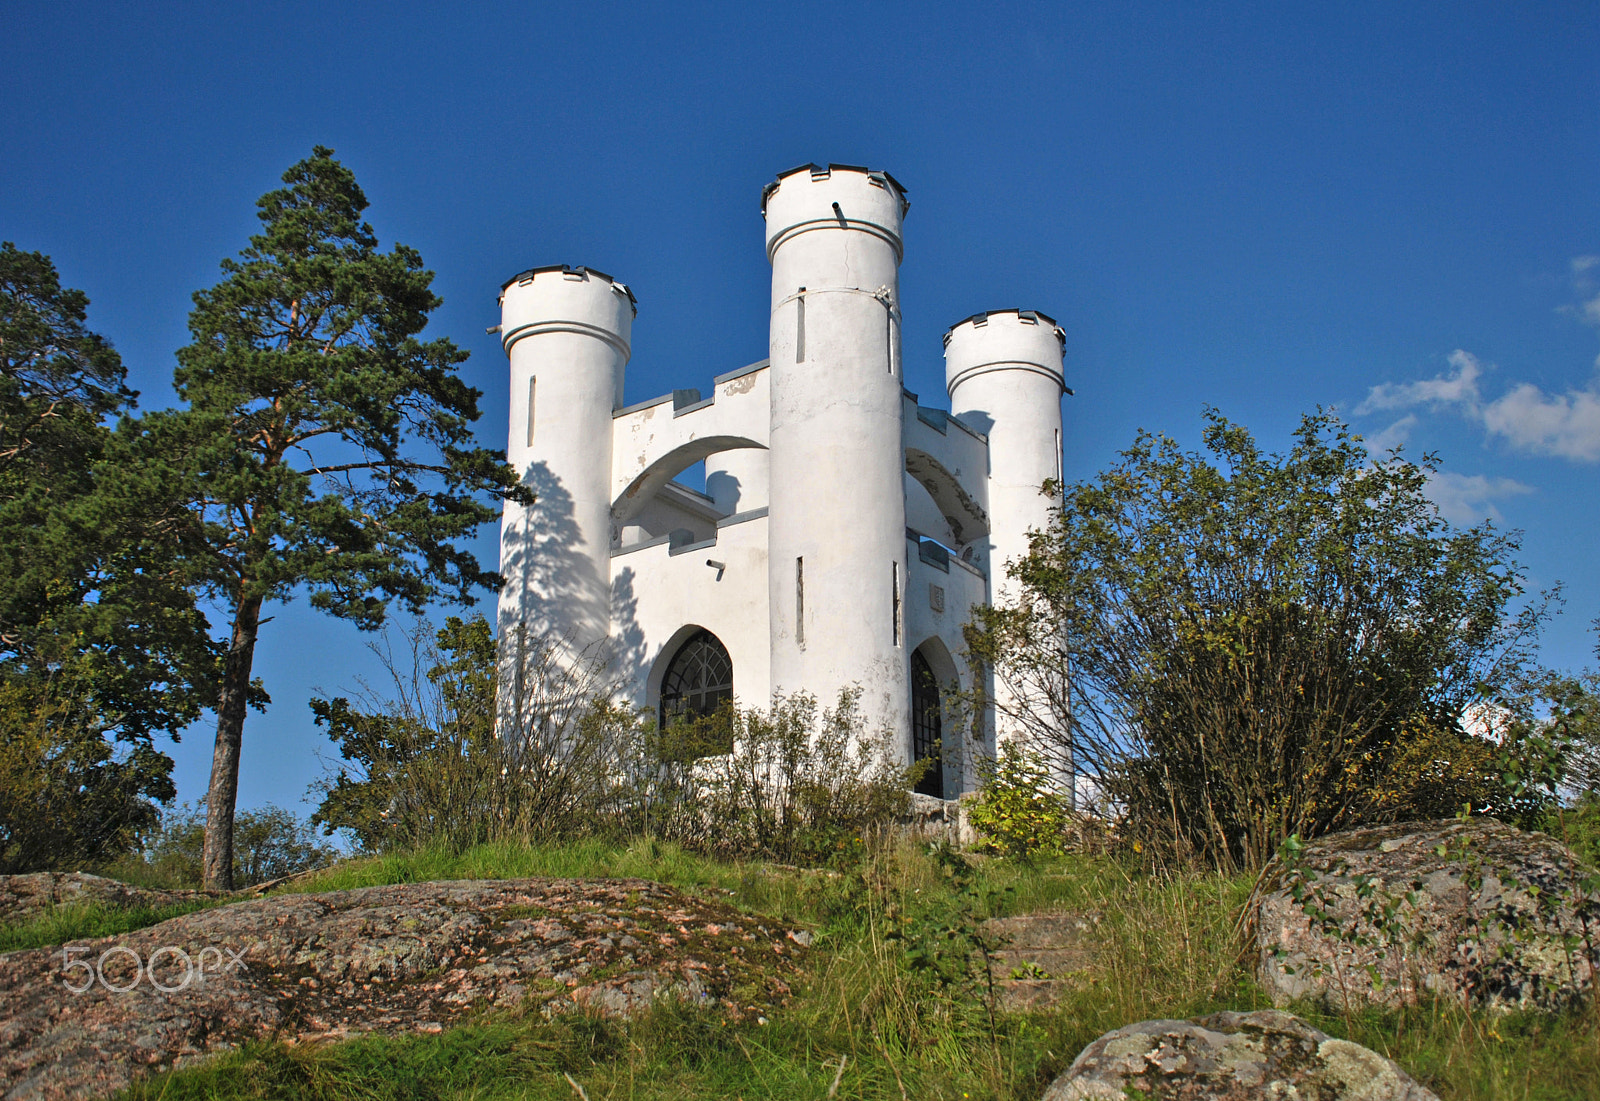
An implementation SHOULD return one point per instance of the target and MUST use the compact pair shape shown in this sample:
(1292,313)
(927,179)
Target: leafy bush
(1434,771)
(69,797)
(1019,812)
(1578,827)
(426,764)
(431,764)
(794,785)
(1242,646)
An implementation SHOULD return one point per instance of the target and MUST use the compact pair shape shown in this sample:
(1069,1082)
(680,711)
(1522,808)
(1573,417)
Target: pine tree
(101,645)
(325,447)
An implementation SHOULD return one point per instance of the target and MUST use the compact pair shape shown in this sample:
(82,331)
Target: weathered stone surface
(1475,909)
(1231,1057)
(1037,952)
(23,897)
(404,958)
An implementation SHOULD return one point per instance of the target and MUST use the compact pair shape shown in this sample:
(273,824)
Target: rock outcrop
(1231,1057)
(1470,909)
(23,897)
(84,1019)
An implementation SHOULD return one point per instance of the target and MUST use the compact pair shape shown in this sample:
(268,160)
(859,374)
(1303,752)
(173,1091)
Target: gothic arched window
(927,739)
(698,680)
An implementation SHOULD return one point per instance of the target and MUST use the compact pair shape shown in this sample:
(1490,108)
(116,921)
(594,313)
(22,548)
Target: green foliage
(1578,827)
(324,446)
(69,797)
(943,939)
(424,764)
(1019,812)
(795,785)
(269,843)
(1547,745)
(442,720)
(308,391)
(1243,646)
(101,645)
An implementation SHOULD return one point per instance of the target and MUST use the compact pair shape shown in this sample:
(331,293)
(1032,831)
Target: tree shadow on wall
(563,622)
(626,644)
(553,607)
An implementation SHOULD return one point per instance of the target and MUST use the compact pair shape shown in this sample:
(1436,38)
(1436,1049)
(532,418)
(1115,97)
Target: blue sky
(1388,208)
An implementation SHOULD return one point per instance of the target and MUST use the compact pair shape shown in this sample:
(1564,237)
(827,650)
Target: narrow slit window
(1058,460)
(800,602)
(532,381)
(800,327)
(896,593)
(888,336)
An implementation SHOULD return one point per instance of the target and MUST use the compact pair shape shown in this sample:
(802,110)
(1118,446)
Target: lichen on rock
(394,959)
(1473,910)
(1231,1057)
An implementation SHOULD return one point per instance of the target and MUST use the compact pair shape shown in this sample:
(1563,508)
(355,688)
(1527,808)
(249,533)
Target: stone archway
(662,469)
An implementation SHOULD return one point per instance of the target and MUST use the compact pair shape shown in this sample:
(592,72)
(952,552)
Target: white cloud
(1529,419)
(1465,499)
(1567,424)
(1396,435)
(1460,387)
(1585,285)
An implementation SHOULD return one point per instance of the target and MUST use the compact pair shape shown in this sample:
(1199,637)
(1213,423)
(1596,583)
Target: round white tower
(566,331)
(836,529)
(1004,374)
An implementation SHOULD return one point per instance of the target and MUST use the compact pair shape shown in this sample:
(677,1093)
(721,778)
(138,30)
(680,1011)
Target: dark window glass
(699,679)
(927,741)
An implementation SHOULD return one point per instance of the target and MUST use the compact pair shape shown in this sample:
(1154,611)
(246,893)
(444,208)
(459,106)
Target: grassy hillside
(895,997)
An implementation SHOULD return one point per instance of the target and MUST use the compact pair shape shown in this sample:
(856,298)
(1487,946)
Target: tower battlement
(561,298)
(1001,340)
(810,198)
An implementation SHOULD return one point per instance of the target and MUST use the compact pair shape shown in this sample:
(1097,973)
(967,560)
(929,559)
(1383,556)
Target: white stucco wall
(924,516)
(653,441)
(674,508)
(657,595)
(950,462)
(1004,375)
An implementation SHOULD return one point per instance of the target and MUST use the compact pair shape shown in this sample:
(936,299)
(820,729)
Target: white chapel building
(845,531)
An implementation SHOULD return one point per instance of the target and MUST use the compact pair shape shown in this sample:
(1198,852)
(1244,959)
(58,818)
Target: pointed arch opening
(927,726)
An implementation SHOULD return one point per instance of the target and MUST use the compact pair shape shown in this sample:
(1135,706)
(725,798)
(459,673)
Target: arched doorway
(699,678)
(927,730)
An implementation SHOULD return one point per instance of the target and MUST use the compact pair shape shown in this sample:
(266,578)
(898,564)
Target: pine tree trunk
(224,790)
